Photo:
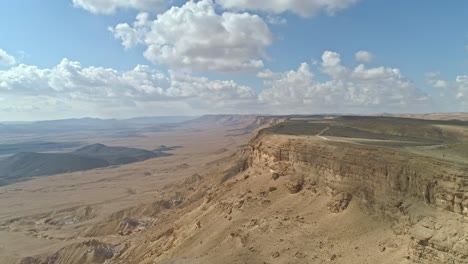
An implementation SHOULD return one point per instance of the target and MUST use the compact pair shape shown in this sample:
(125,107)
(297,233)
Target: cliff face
(423,197)
(305,190)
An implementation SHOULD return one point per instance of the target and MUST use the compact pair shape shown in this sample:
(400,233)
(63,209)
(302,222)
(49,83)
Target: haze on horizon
(120,59)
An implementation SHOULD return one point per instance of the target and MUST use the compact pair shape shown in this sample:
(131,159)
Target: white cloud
(348,90)
(461,84)
(110,6)
(186,85)
(331,65)
(287,88)
(364,56)
(455,92)
(441,84)
(276,20)
(70,79)
(6,59)
(194,36)
(103,89)
(73,90)
(132,36)
(434,79)
(457,89)
(303,8)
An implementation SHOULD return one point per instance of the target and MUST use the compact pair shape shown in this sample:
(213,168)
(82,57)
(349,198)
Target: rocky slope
(288,198)
(423,197)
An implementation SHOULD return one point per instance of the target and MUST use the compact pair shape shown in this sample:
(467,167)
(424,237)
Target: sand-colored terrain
(306,190)
(79,200)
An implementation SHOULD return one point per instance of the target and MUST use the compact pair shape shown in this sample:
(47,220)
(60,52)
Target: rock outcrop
(425,198)
(309,191)
(339,202)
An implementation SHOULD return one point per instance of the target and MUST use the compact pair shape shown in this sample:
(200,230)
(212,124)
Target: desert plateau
(253,189)
(233,132)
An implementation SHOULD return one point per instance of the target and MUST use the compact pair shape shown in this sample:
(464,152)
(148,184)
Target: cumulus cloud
(434,79)
(70,79)
(276,20)
(194,36)
(461,84)
(110,6)
(348,90)
(364,56)
(108,88)
(132,35)
(303,8)
(69,88)
(287,88)
(186,85)
(456,89)
(6,59)
(453,92)
(331,65)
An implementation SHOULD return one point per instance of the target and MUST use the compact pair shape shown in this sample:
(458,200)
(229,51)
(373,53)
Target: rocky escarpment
(425,198)
(312,191)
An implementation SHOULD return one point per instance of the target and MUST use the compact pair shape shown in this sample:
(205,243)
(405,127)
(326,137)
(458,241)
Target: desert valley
(233,132)
(238,189)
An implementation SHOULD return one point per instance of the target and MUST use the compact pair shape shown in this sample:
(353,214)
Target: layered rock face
(424,197)
(307,190)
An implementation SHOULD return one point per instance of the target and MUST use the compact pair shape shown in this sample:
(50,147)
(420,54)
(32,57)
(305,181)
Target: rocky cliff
(305,190)
(423,197)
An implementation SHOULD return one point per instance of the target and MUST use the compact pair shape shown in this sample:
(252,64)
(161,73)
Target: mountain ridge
(31,164)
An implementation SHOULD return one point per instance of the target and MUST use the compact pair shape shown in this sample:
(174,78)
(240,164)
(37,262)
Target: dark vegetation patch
(386,131)
(405,127)
(298,128)
(351,132)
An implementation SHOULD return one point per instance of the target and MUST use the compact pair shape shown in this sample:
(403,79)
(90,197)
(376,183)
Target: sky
(127,58)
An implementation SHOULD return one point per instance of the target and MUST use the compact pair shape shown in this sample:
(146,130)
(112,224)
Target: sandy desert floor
(102,191)
(205,204)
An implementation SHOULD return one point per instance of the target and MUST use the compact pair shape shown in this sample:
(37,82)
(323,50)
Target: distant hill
(37,146)
(88,124)
(118,155)
(164,148)
(30,164)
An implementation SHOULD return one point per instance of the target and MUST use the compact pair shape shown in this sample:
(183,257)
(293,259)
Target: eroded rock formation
(425,198)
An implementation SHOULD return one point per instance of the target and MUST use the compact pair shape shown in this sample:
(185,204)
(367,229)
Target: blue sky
(61,59)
